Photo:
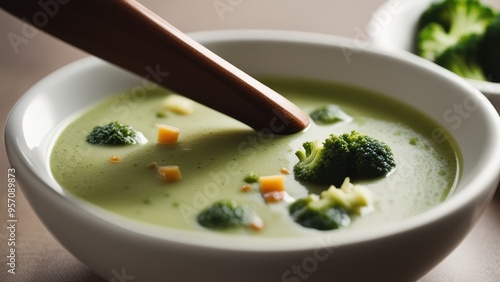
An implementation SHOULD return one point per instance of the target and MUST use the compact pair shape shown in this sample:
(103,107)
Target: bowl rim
(220,241)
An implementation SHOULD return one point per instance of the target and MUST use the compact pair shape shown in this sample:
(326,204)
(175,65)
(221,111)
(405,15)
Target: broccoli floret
(444,23)
(115,133)
(225,214)
(352,154)
(326,218)
(333,209)
(489,51)
(328,114)
(370,157)
(433,41)
(462,58)
(438,12)
(322,163)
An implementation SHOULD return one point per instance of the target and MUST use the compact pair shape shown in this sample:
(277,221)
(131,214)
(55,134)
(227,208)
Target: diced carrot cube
(169,173)
(167,134)
(272,188)
(272,183)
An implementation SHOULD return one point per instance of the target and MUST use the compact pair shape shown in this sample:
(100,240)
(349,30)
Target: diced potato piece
(274,197)
(178,104)
(257,224)
(169,173)
(272,188)
(167,134)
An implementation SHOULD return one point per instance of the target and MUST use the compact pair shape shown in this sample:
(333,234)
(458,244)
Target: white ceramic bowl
(112,245)
(393,27)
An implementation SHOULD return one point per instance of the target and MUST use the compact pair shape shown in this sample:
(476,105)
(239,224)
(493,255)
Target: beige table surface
(41,258)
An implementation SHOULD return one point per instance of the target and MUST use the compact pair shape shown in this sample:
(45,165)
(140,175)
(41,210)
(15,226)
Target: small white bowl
(112,245)
(393,27)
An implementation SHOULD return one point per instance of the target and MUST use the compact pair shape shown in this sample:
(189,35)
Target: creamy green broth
(215,152)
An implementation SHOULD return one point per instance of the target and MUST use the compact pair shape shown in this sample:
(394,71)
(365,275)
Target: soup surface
(215,153)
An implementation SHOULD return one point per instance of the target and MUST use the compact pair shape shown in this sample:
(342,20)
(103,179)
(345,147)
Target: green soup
(215,153)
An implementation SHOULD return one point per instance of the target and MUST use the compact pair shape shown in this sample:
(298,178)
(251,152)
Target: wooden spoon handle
(129,35)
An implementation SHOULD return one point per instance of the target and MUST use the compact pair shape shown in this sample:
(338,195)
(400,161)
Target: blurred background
(41,258)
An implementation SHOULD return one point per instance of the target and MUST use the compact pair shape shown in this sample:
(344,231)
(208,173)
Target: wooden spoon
(129,35)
